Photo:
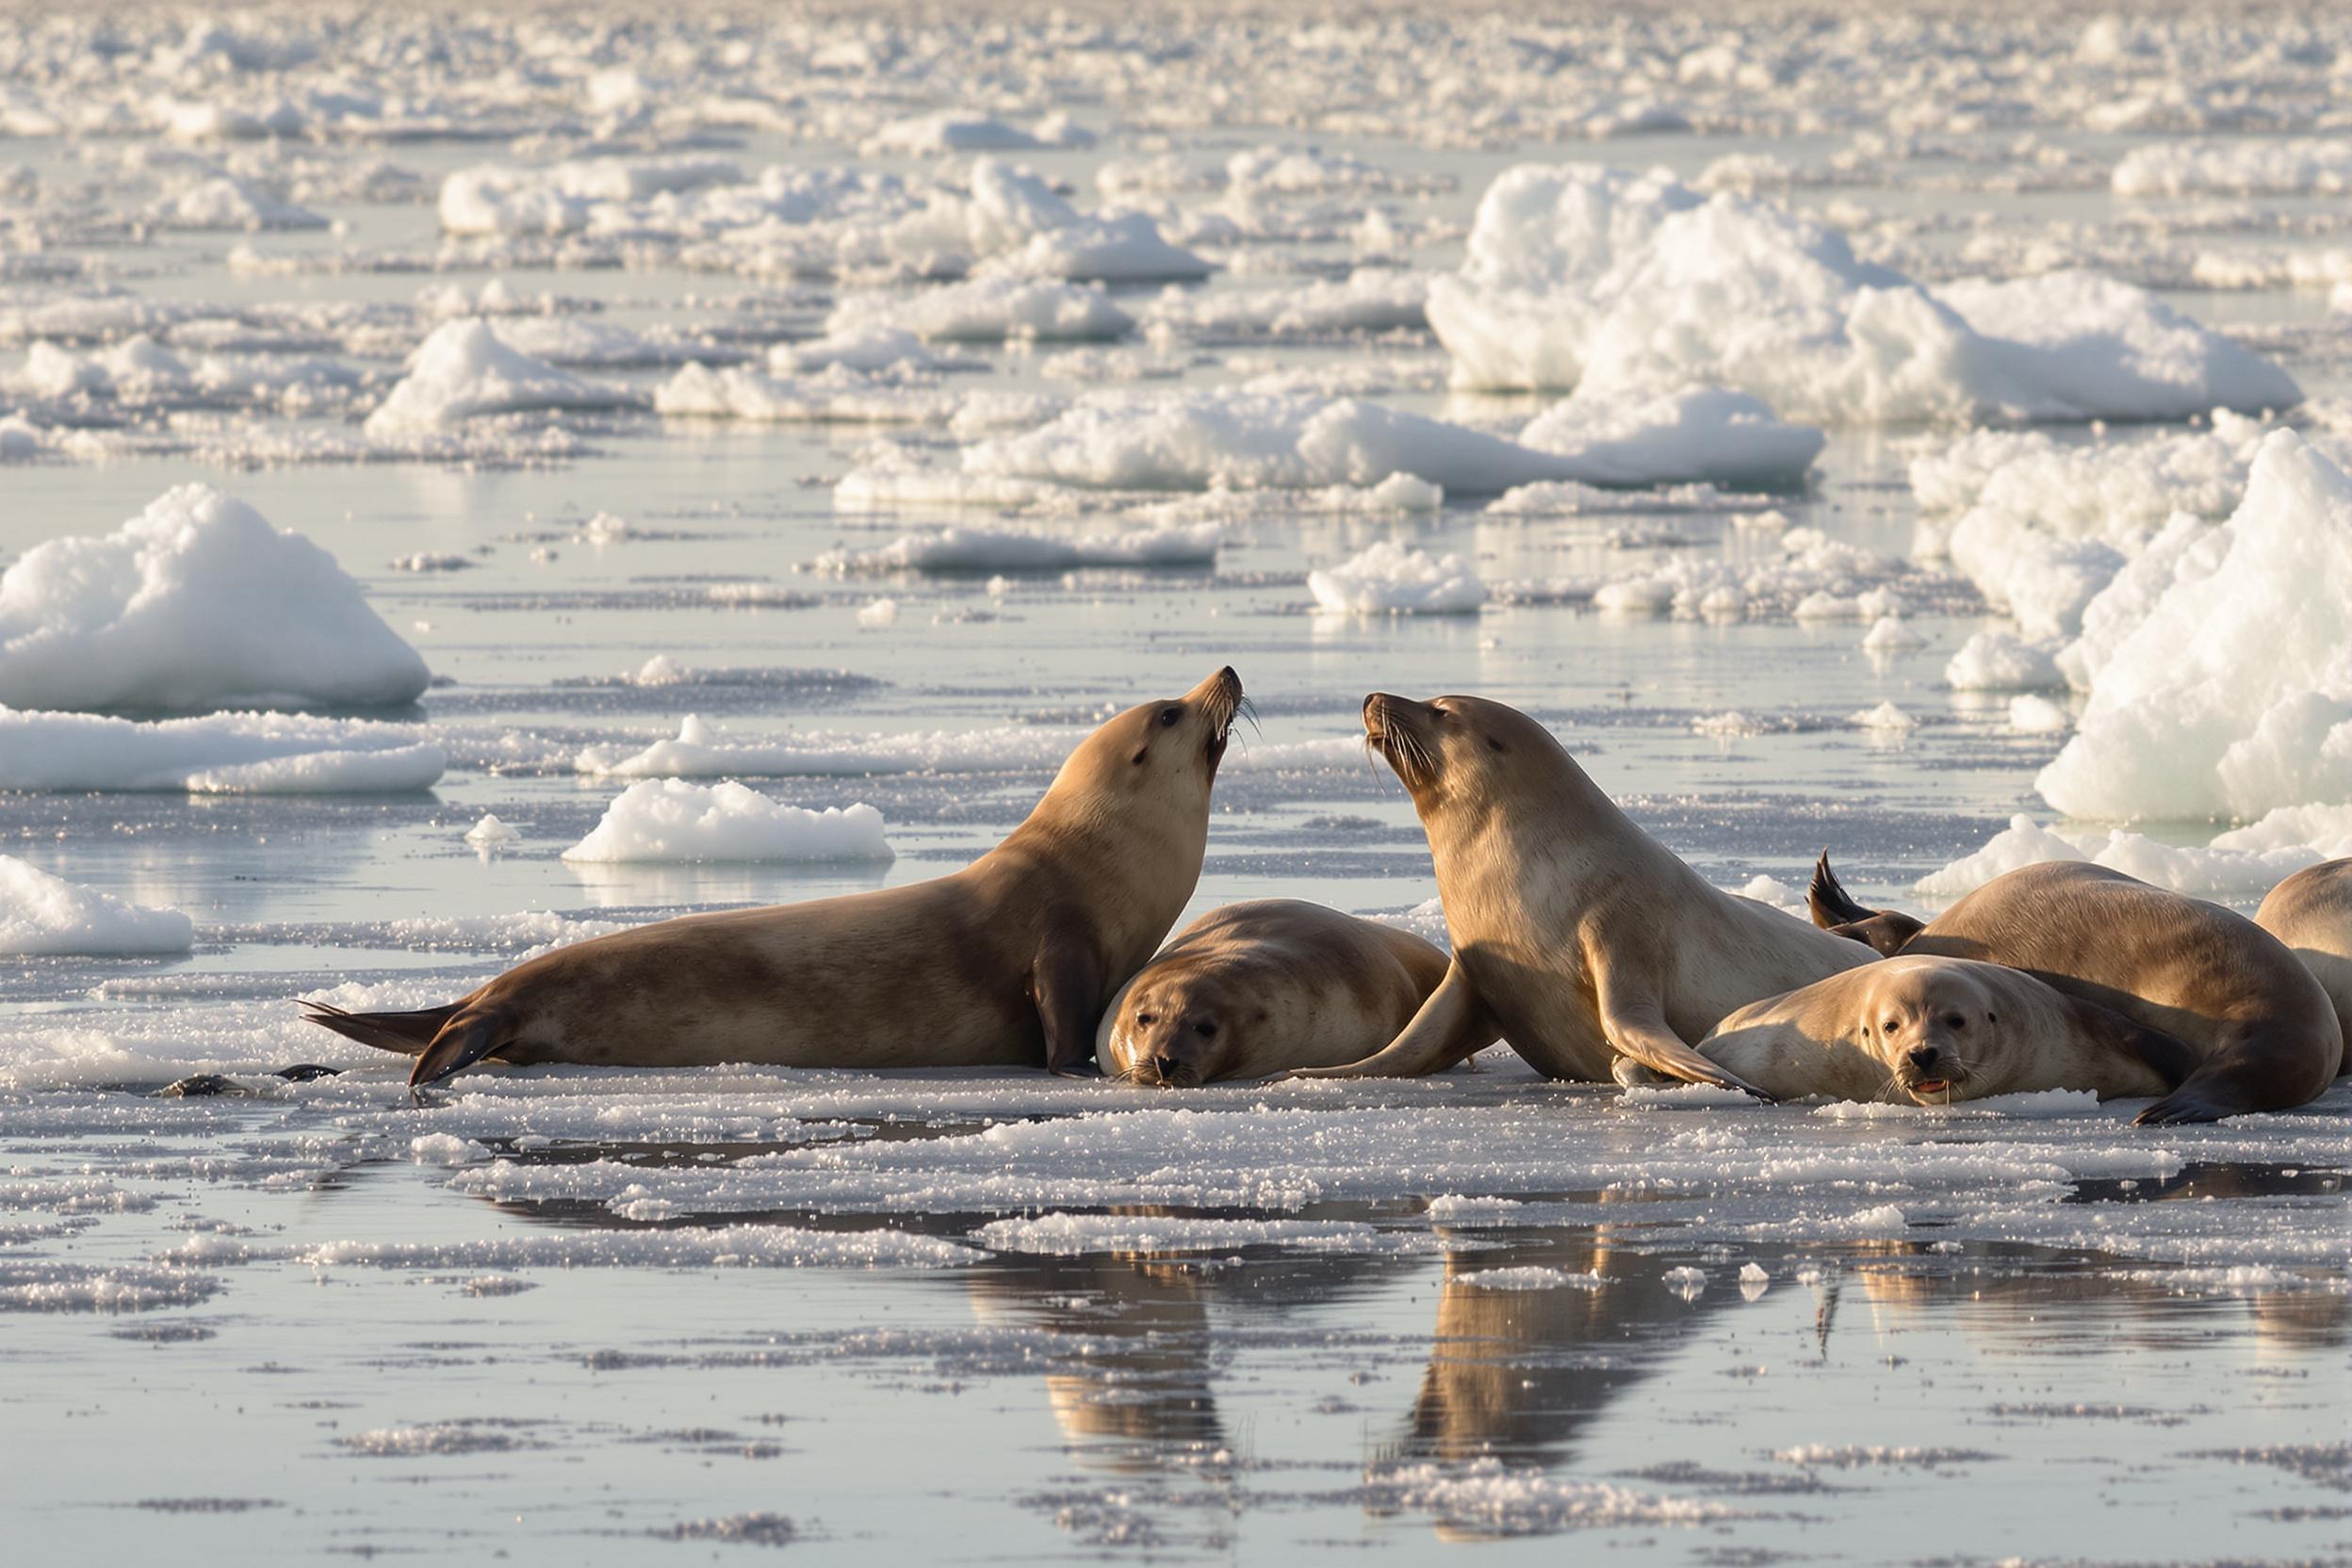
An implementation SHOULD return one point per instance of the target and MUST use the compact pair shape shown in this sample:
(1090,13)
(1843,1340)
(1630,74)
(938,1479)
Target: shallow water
(571,1312)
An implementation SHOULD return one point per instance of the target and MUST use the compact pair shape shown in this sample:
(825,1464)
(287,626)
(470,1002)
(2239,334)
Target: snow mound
(1606,280)
(1396,580)
(668,820)
(219,754)
(2231,696)
(196,602)
(838,396)
(2234,866)
(464,370)
(40,913)
(496,199)
(1997,662)
(978,549)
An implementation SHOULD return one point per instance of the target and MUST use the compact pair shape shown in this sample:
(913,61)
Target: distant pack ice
(1609,280)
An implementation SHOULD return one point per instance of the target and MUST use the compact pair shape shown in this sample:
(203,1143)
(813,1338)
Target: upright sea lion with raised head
(1252,989)
(2265,1032)
(2312,913)
(1936,1031)
(1009,961)
(1577,936)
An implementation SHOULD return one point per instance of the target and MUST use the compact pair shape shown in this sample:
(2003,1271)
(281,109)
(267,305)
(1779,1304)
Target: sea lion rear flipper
(406,1033)
(1451,1024)
(2262,1068)
(462,1042)
(1836,911)
(1066,983)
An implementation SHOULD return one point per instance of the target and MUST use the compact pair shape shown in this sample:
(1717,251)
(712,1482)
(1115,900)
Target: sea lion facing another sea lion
(1009,961)
(1253,988)
(1578,937)
(1940,1031)
(2312,913)
(2265,1033)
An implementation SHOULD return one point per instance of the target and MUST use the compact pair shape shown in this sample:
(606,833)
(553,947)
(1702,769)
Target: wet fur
(1009,961)
(1281,983)
(2265,1032)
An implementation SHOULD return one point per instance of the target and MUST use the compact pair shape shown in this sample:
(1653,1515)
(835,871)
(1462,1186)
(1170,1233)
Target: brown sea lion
(1576,936)
(2265,1032)
(1009,961)
(2312,913)
(1250,989)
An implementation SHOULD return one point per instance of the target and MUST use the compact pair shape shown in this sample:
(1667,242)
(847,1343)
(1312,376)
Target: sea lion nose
(1164,1066)
(1924,1056)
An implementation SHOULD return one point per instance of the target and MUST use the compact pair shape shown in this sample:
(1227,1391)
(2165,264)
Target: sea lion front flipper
(466,1039)
(1066,983)
(1447,1029)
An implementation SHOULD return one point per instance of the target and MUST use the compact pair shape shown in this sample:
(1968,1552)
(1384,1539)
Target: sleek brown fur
(2312,913)
(1940,1031)
(2265,1032)
(1577,935)
(1253,988)
(1008,960)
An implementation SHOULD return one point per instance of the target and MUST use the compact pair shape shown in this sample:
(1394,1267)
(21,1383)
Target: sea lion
(1249,989)
(1940,1031)
(1009,961)
(2312,913)
(1576,936)
(2264,1030)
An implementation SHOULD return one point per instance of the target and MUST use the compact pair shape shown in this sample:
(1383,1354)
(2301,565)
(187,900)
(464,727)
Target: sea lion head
(1176,1027)
(1451,750)
(1164,751)
(1934,1025)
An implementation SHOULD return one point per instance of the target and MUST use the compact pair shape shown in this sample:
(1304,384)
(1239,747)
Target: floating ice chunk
(1074,1234)
(490,836)
(1372,299)
(446,1149)
(2326,831)
(702,751)
(1998,662)
(1686,1282)
(1886,718)
(223,203)
(2029,714)
(1701,433)
(40,913)
(868,349)
(831,397)
(2023,843)
(464,370)
(668,820)
(1530,1277)
(2233,695)
(221,754)
(950,131)
(975,549)
(1892,634)
(195,602)
(1241,440)
(877,614)
(2300,165)
(716,1246)
(1388,577)
(496,199)
(1580,276)
(2223,872)
(987,310)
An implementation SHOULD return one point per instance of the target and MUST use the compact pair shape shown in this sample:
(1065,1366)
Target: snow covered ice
(472,483)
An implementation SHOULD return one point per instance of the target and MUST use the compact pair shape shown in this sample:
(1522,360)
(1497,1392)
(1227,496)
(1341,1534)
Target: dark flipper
(466,1039)
(406,1033)
(1886,931)
(2264,1069)
(1066,983)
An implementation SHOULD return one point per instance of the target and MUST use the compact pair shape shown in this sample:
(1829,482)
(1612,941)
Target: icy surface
(672,820)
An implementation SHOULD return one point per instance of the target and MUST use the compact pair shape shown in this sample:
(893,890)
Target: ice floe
(979,549)
(670,820)
(197,602)
(464,370)
(40,913)
(1388,577)
(217,754)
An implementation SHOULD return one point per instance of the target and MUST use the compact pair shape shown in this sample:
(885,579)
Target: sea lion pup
(1577,937)
(2312,913)
(1009,961)
(1942,1030)
(1249,989)
(2265,1032)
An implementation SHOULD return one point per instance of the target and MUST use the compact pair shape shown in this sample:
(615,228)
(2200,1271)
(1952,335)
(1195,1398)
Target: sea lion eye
(1205,1030)
(1494,744)
(1168,717)
(1891,1025)
(1956,1022)
(1147,1018)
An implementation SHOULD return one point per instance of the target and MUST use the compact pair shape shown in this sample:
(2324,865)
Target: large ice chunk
(465,369)
(40,913)
(196,602)
(669,820)
(219,754)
